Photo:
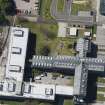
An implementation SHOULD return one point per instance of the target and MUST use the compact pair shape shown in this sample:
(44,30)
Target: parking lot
(27,8)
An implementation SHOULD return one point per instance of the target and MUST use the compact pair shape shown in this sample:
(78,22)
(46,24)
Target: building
(87,34)
(102,7)
(71,31)
(84,13)
(80,65)
(17,53)
(12,84)
(100,40)
(65,30)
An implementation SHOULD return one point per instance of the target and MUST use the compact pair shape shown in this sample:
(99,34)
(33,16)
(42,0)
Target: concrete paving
(58,81)
(62,29)
(100,34)
(31,7)
(65,17)
(98,103)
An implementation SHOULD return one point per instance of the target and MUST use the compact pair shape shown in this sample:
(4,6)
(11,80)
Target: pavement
(66,16)
(24,6)
(99,18)
(100,34)
(58,81)
(98,103)
(3,57)
(62,29)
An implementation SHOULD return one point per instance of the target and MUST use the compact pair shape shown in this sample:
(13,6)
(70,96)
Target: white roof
(87,33)
(84,13)
(17,53)
(73,31)
(10,88)
(64,90)
(39,91)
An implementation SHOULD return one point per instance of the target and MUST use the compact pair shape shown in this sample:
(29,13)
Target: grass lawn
(45,9)
(100,97)
(80,7)
(68,102)
(26,102)
(101,80)
(60,5)
(94,29)
(10,102)
(82,31)
(64,42)
(1,29)
(44,32)
(102,89)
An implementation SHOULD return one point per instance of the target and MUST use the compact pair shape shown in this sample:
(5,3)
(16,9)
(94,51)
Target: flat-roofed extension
(17,53)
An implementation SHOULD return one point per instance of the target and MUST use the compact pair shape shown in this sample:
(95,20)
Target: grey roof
(84,13)
(80,80)
(102,7)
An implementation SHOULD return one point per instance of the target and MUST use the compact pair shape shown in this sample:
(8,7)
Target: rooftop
(17,53)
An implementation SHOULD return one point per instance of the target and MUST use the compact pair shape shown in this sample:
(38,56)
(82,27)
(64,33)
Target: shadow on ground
(94,49)
(31,46)
(91,88)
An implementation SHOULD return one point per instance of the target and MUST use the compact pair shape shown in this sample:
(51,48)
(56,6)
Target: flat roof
(10,88)
(73,31)
(100,35)
(17,53)
(64,90)
(39,91)
(84,13)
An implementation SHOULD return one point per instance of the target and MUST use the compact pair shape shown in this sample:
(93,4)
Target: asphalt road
(66,16)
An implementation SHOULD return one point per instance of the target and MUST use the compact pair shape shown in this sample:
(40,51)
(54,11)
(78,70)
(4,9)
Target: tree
(7,6)
(70,46)
(45,50)
(2,18)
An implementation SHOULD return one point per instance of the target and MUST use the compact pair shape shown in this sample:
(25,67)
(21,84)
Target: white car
(38,78)
(42,75)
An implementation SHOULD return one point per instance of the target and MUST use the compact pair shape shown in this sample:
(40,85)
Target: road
(66,16)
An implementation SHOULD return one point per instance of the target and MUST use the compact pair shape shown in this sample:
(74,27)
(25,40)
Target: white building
(71,31)
(13,84)
(65,30)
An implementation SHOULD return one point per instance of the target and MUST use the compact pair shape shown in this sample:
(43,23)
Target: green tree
(6,6)
(45,50)
(2,18)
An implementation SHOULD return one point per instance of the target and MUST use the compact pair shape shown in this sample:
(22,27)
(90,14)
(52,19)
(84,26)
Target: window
(16,50)
(18,33)
(49,91)
(27,89)
(11,87)
(15,68)
(1,86)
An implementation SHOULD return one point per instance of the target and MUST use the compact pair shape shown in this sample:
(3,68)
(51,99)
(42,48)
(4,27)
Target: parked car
(38,78)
